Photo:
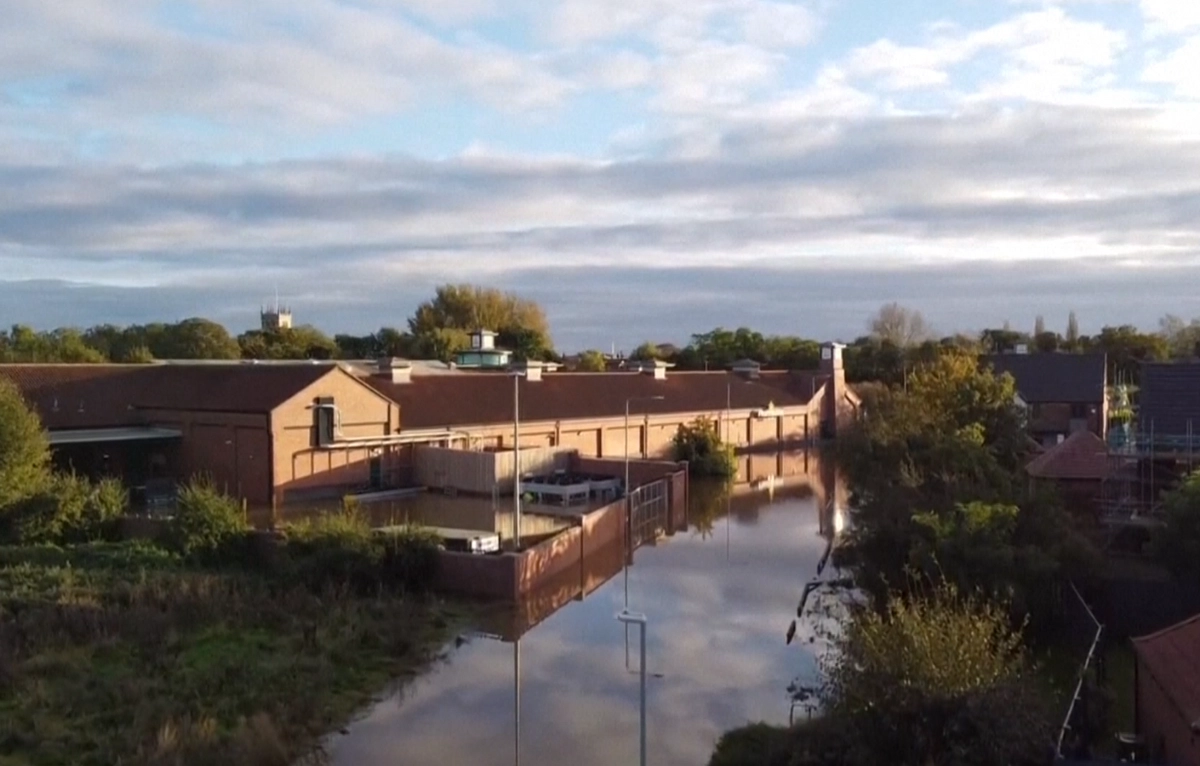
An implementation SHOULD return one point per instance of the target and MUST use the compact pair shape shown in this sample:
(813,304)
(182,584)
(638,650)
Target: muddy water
(552,682)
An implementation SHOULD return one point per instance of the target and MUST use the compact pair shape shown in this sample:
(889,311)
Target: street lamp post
(628,617)
(629,510)
(516,376)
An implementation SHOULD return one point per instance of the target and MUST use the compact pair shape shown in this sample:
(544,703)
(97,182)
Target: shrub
(412,557)
(70,509)
(334,549)
(341,549)
(24,449)
(208,524)
(699,443)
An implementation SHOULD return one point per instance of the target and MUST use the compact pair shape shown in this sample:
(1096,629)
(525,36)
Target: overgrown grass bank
(125,653)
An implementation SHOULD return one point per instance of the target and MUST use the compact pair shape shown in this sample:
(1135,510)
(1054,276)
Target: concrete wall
(478,472)
(301,469)
(1166,731)
(511,576)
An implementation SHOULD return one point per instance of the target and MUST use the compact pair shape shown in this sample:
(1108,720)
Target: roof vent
(655,368)
(394,369)
(532,369)
(747,368)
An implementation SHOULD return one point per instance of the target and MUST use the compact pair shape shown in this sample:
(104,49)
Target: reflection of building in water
(511,621)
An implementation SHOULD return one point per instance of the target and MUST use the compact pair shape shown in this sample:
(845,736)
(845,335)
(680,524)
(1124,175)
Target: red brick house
(1064,393)
(1167,680)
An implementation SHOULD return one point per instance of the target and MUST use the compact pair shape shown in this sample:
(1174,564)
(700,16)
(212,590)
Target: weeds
(126,654)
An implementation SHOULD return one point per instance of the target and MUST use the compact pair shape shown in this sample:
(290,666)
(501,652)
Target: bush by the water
(699,443)
(208,524)
(341,549)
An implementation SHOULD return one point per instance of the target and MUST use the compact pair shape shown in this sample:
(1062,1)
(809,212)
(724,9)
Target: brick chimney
(835,387)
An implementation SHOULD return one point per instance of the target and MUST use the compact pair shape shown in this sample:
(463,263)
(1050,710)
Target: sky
(646,169)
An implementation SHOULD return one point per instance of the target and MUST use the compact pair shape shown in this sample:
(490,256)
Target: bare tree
(1039,326)
(899,325)
(1072,336)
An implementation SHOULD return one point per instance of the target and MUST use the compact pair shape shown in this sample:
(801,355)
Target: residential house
(1064,393)
(1167,688)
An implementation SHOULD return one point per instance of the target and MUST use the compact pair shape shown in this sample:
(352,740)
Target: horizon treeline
(895,339)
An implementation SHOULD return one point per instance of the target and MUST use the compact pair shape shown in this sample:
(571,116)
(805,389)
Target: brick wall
(303,470)
(232,448)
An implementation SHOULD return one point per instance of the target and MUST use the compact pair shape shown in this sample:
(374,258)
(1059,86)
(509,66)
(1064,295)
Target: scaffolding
(1142,465)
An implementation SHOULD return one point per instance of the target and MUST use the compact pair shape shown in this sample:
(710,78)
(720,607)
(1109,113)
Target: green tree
(194,338)
(1071,337)
(918,461)
(1127,348)
(646,352)
(24,449)
(1177,543)
(592,361)
(699,443)
(520,323)
(934,679)
(303,342)
(442,343)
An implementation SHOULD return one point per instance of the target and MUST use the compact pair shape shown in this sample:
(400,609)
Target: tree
(1000,341)
(1182,338)
(1039,326)
(24,449)
(646,352)
(898,325)
(935,679)
(699,443)
(1127,348)
(443,344)
(1047,342)
(194,338)
(592,361)
(518,322)
(303,342)
(1177,543)
(919,457)
(1072,335)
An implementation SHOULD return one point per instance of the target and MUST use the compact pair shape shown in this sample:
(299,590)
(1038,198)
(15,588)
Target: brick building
(275,433)
(1167,680)
(1064,393)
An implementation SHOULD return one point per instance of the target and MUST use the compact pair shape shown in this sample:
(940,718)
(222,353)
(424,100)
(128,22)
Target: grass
(121,654)
(1058,668)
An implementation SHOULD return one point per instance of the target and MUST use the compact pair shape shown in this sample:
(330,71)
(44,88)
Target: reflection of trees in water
(707,501)
(825,613)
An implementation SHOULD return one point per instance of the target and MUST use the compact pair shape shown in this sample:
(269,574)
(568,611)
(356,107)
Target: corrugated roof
(1063,378)
(1169,399)
(485,398)
(1082,455)
(110,395)
(1172,656)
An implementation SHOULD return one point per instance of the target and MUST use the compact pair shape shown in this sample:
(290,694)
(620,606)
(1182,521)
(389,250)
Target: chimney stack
(394,369)
(835,387)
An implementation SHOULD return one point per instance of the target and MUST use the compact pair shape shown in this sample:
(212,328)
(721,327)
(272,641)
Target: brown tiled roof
(227,388)
(479,398)
(79,395)
(109,395)
(1082,455)
(1172,656)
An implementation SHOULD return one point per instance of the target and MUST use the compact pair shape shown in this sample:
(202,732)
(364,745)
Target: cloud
(1170,17)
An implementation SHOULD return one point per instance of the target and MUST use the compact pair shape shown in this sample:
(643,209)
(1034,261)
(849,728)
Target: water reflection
(549,675)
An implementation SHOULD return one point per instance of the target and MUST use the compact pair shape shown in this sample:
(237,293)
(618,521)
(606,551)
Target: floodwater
(550,681)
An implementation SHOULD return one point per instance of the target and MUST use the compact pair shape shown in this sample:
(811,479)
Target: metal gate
(648,512)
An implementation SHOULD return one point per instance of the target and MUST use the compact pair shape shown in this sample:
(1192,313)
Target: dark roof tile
(1169,399)
(1060,378)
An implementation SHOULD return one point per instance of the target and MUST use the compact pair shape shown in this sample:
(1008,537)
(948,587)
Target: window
(324,421)
(1079,410)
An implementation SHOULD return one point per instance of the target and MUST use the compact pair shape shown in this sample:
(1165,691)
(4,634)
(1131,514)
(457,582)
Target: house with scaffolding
(1157,446)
